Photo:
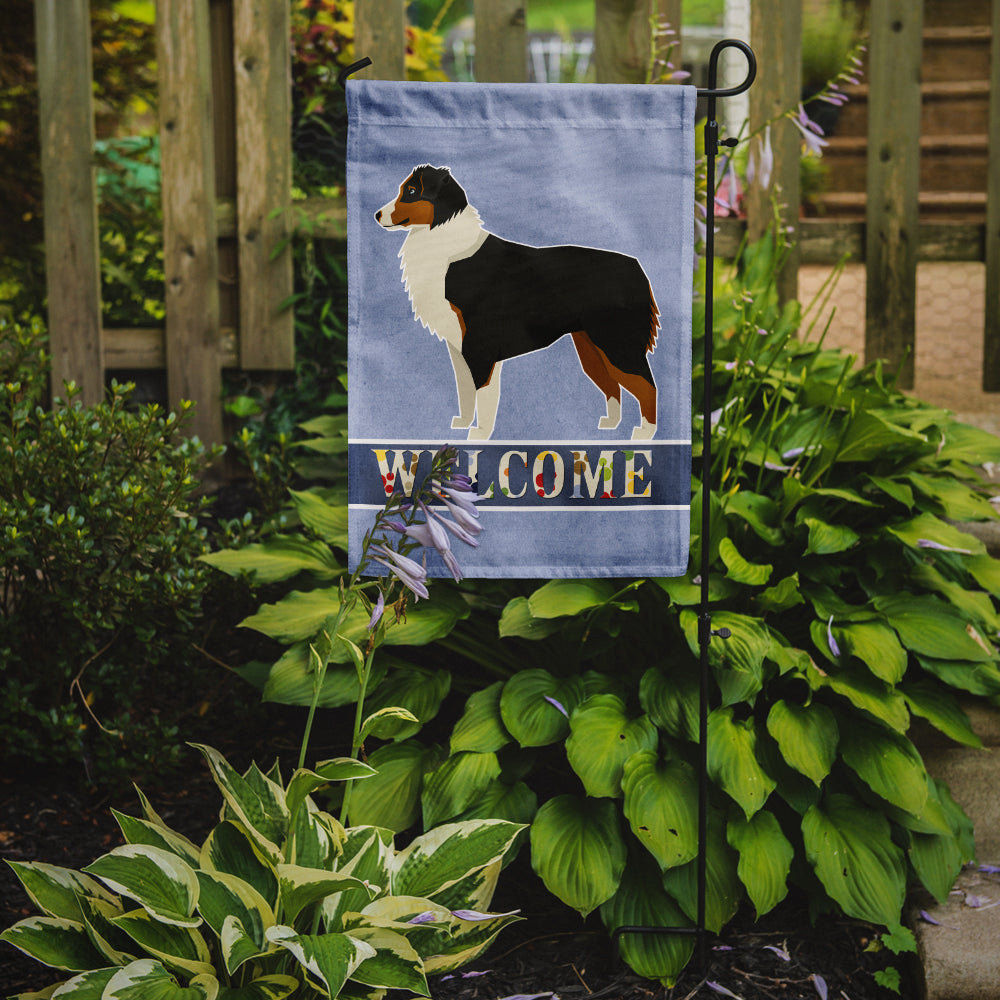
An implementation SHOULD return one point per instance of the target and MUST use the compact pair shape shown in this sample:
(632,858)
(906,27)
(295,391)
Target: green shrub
(279,900)
(99,541)
(854,605)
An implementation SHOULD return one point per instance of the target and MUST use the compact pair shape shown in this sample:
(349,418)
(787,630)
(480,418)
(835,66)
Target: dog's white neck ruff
(424,259)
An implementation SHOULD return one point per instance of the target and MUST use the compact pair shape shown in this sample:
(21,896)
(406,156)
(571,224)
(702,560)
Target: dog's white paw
(644,432)
(614,417)
(461,423)
(479,433)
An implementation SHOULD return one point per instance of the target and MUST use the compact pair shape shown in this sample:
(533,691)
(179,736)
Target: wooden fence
(226,161)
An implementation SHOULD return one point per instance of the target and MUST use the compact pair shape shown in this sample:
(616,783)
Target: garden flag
(520,262)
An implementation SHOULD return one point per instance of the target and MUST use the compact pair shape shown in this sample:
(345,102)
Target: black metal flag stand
(705,631)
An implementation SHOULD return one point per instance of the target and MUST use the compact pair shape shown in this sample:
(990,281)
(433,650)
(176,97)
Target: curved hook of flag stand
(705,631)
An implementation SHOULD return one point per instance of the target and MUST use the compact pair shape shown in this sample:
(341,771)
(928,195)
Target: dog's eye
(411,190)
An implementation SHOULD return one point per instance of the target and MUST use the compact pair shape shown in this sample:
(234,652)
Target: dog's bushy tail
(654,322)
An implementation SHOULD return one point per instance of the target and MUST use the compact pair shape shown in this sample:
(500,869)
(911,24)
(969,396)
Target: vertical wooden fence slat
(380,34)
(190,254)
(991,333)
(670,12)
(621,40)
(891,241)
(501,41)
(262,61)
(776,36)
(72,257)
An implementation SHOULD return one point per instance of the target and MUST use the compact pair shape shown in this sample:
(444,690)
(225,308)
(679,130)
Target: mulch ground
(552,952)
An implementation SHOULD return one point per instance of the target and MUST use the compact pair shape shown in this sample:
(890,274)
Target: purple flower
(377,612)
(761,162)
(780,952)
(927,543)
(410,573)
(834,648)
(475,915)
(820,983)
(811,132)
(558,705)
(427,917)
(719,988)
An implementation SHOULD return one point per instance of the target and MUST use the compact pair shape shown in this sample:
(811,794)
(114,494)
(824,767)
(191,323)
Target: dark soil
(551,952)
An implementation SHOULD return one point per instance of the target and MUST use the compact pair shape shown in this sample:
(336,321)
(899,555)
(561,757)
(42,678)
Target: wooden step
(956,53)
(947,162)
(957,206)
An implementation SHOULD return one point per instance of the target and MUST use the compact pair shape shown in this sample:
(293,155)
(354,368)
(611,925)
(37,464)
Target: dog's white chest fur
(424,259)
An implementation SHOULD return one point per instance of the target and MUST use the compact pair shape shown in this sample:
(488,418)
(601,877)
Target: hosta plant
(279,900)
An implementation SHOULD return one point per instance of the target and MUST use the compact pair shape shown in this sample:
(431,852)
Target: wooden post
(501,41)
(991,333)
(776,34)
(262,60)
(190,254)
(893,183)
(380,34)
(72,256)
(622,40)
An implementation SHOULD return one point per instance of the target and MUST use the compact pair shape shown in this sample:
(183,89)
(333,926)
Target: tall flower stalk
(441,507)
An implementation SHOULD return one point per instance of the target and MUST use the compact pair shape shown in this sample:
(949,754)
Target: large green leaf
(602,738)
(328,520)
(876,646)
(765,858)
(391,798)
(732,760)
(828,539)
(439,858)
(304,782)
(723,889)
(144,831)
(641,901)
(229,848)
(888,763)
(481,728)
(941,709)
(517,620)
(870,436)
(866,692)
(932,628)
(535,706)
(661,799)
(851,850)
(578,851)
(280,557)
(147,979)
(292,680)
(301,887)
(671,699)
(225,897)
(420,691)
(559,598)
(180,948)
(164,885)
(456,784)
(976,678)
(738,661)
(758,511)
(56,891)
(330,959)
(54,941)
(924,528)
(957,501)
(807,736)
(739,569)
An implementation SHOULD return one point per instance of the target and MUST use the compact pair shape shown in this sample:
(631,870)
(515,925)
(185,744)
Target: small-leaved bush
(100,583)
(279,900)
(855,605)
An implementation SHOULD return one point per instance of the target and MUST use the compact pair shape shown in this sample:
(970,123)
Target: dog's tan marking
(461,318)
(600,367)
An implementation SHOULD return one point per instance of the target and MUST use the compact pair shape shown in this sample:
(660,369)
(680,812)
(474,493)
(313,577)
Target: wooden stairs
(955,91)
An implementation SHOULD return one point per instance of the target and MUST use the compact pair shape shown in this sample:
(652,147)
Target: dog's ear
(434,180)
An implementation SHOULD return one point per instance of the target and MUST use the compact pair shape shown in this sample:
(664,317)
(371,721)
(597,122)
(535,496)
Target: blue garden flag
(520,262)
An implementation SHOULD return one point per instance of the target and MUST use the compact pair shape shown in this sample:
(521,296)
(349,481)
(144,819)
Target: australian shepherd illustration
(490,299)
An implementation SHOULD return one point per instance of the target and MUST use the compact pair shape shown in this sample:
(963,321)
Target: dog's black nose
(378,215)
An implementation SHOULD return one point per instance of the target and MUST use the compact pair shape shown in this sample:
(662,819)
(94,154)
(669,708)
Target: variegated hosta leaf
(273,987)
(304,782)
(661,799)
(578,851)
(732,760)
(54,941)
(256,801)
(86,986)
(850,847)
(723,889)
(441,857)
(56,891)
(481,727)
(329,959)
(158,880)
(456,784)
(225,897)
(315,838)
(535,706)
(467,940)
(476,890)
(765,858)
(177,947)
(98,915)
(642,902)
(230,849)
(888,763)
(300,887)
(807,736)
(149,980)
(391,799)
(602,737)
(395,964)
(367,853)
(141,831)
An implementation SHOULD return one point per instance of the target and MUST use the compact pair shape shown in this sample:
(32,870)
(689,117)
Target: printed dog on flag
(490,299)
